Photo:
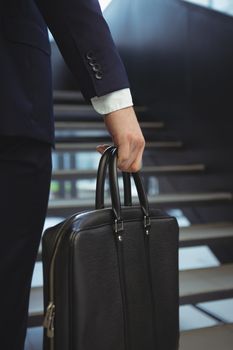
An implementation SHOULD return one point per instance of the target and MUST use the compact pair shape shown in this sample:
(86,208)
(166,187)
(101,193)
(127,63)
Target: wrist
(120,111)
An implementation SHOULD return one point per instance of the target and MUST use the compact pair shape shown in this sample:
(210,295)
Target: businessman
(27,128)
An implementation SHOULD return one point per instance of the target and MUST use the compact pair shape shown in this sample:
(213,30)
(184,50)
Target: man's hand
(127,137)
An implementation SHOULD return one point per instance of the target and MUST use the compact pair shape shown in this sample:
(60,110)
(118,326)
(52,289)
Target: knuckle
(122,159)
(123,168)
(130,135)
(134,168)
(141,142)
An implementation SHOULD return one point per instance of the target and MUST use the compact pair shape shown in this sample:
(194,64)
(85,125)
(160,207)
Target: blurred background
(179,59)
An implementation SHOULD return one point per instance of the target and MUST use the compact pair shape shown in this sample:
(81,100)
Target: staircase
(78,131)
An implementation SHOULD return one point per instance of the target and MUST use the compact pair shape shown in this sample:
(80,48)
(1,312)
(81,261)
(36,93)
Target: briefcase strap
(109,158)
(100,181)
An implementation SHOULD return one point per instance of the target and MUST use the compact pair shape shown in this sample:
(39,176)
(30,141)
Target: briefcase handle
(101,175)
(110,157)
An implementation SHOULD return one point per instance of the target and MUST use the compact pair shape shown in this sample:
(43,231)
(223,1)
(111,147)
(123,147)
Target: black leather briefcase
(111,274)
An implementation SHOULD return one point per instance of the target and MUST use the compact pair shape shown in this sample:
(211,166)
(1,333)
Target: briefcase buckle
(119,226)
(147,224)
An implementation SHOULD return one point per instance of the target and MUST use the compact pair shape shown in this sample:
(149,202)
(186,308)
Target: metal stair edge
(224,289)
(157,170)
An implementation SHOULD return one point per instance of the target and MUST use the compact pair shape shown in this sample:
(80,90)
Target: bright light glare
(104,4)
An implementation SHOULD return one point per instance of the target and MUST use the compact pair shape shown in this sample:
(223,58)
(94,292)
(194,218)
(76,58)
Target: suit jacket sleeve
(85,41)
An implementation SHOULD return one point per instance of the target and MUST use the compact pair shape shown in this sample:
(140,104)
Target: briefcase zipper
(49,319)
(119,231)
(50,311)
(147,226)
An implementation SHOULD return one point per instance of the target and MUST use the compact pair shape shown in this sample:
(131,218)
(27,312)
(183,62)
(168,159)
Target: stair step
(100,125)
(65,207)
(200,234)
(149,170)
(83,112)
(36,307)
(196,285)
(80,136)
(75,146)
(210,338)
(197,234)
(202,338)
(103,136)
(206,284)
(68,96)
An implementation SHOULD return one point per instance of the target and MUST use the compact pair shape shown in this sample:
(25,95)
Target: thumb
(102,148)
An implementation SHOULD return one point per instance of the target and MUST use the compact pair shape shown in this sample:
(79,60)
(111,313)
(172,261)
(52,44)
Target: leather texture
(114,290)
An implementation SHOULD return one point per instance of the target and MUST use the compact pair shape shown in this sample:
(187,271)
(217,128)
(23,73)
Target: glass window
(200,2)
(104,3)
(225,6)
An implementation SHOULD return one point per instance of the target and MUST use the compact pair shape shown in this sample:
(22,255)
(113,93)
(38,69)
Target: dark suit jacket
(86,44)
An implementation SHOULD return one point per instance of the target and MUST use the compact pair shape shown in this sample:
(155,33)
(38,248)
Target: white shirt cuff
(113,101)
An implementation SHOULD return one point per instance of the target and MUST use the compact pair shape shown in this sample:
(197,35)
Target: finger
(101,148)
(137,164)
(123,153)
(133,164)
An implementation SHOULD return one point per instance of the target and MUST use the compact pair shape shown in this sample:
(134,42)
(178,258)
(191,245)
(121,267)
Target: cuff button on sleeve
(99,75)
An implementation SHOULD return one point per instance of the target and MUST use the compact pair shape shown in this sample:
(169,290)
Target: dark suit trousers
(25,174)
